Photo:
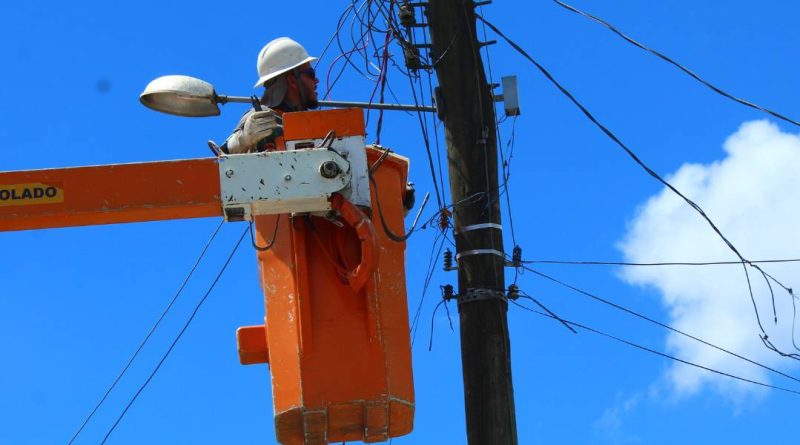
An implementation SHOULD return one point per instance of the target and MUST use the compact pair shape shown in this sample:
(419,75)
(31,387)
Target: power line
(436,122)
(669,60)
(549,312)
(506,163)
(484,140)
(365,15)
(662,354)
(340,23)
(346,54)
(434,256)
(658,323)
(652,173)
(177,338)
(149,334)
(426,140)
(675,263)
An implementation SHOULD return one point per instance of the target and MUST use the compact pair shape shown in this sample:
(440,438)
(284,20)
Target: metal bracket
(353,149)
(480,295)
(412,59)
(279,182)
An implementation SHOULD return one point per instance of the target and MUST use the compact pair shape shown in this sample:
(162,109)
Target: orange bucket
(336,331)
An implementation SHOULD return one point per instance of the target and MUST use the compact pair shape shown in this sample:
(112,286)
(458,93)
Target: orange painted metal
(80,196)
(317,124)
(339,355)
(336,334)
(252,341)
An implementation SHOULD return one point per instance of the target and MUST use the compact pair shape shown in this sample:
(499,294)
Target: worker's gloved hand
(257,127)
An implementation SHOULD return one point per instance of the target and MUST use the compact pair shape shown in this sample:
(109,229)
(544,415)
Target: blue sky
(74,303)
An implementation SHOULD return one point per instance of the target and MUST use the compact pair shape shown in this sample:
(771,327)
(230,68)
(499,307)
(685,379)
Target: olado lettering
(30,194)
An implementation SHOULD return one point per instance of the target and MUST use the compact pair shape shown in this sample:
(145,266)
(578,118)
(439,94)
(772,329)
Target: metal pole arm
(341,104)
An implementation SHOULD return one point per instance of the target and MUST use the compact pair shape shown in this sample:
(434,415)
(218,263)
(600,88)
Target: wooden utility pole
(466,105)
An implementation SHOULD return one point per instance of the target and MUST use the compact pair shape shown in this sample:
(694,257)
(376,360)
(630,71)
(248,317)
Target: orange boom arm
(80,196)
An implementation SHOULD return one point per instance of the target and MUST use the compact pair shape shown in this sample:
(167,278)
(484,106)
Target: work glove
(258,126)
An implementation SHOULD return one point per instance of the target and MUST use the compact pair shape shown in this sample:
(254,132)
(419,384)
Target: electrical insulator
(448,260)
(516,256)
(447,292)
(407,17)
(444,219)
(413,62)
(513,292)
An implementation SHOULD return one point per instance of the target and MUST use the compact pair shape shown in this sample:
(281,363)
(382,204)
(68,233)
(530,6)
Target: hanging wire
(769,278)
(391,235)
(794,321)
(656,322)
(506,163)
(506,158)
(359,45)
(549,312)
(339,25)
(666,263)
(445,299)
(652,173)
(433,318)
(665,355)
(149,333)
(175,341)
(678,65)
(361,42)
(436,122)
(351,9)
(436,252)
(271,242)
(426,140)
(469,21)
(381,82)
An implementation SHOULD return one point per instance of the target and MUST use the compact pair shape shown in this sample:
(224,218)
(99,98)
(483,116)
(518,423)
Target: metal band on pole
(478,227)
(460,255)
(481,294)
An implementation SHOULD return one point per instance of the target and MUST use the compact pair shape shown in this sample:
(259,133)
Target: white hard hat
(278,57)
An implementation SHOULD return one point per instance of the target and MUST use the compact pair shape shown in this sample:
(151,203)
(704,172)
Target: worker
(284,69)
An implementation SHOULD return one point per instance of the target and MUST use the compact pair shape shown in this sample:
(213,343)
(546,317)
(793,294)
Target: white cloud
(752,196)
(611,427)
